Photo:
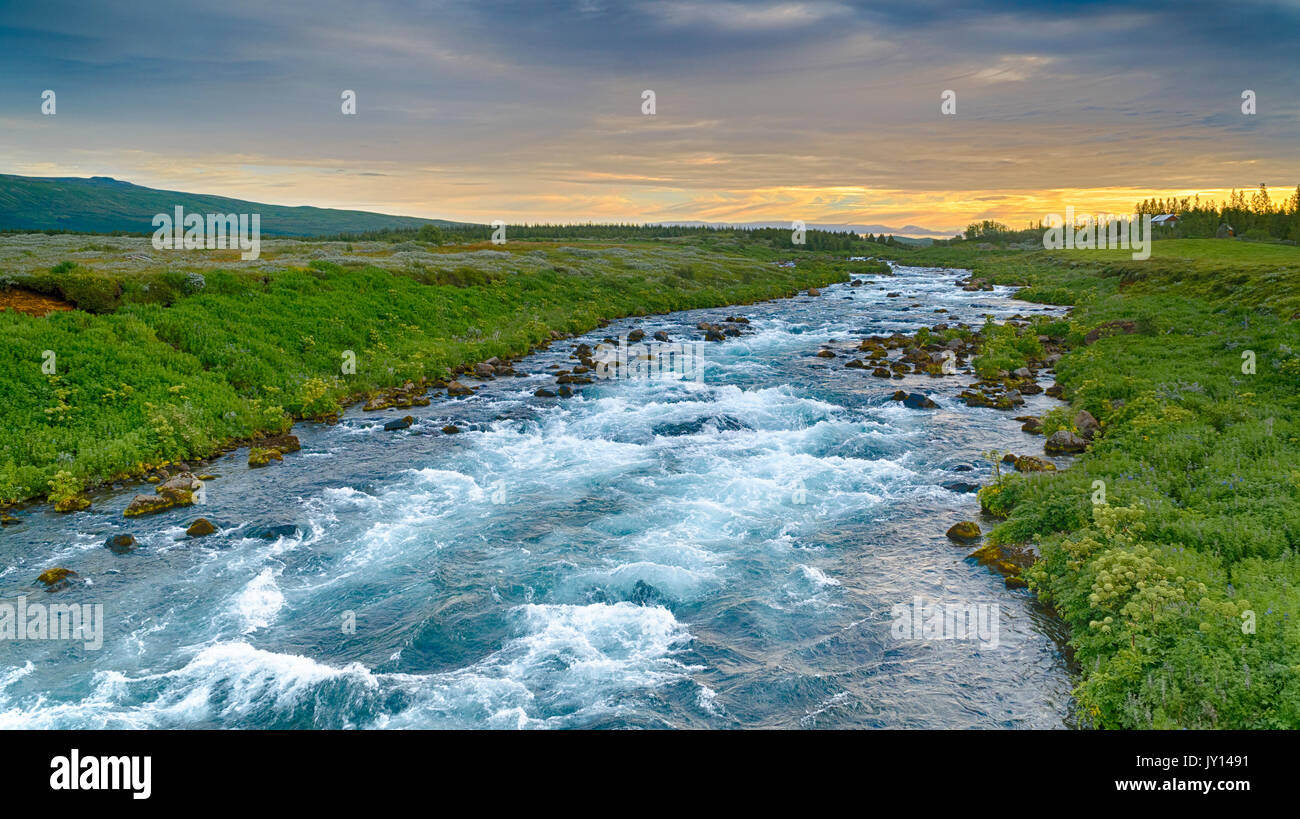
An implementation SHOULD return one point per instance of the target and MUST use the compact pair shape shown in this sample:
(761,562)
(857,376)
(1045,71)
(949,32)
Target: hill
(101,204)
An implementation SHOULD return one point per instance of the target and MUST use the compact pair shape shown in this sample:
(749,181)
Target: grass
(1170,546)
(167,363)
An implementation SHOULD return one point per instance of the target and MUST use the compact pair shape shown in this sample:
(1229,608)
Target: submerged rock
(643,594)
(272,532)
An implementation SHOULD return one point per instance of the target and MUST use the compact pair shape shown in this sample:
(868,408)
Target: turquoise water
(651,553)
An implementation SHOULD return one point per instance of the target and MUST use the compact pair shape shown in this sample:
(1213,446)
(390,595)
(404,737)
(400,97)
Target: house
(1165,220)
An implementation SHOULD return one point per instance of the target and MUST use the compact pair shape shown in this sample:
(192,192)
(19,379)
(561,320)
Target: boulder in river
(175,491)
(398,423)
(451,429)
(260,456)
(72,503)
(179,488)
(456,389)
(201,527)
(120,544)
(917,400)
(856,364)
(544,393)
(964,532)
(57,579)
(660,335)
(1032,424)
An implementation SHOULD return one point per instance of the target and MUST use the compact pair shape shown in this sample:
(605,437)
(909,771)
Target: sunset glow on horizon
(764,111)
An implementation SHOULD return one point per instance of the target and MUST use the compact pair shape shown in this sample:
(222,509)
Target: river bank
(1169,547)
(158,367)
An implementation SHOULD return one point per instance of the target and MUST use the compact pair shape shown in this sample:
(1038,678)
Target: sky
(822,111)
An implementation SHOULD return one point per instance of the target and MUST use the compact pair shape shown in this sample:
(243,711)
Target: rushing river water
(651,553)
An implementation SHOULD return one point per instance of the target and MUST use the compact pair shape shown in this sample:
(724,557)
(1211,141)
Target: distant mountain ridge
(904,232)
(101,204)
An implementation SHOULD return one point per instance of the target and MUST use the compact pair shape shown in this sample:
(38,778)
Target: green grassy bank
(167,363)
(1170,546)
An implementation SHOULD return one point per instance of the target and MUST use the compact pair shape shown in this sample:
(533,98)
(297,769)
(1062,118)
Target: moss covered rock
(75,503)
(261,456)
(1029,463)
(964,532)
(152,504)
(57,579)
(201,527)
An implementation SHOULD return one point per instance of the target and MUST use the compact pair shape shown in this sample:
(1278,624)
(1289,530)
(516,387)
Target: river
(650,553)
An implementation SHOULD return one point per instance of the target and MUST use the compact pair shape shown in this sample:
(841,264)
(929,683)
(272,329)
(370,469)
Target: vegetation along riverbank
(1168,547)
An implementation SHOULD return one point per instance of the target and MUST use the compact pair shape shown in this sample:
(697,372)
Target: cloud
(466,109)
